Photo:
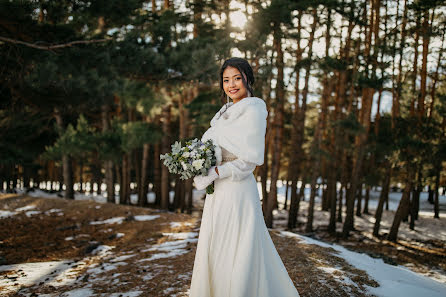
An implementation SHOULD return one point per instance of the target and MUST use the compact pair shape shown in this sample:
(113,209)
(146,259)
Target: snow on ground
(426,227)
(171,248)
(27,210)
(6,214)
(117,220)
(54,273)
(143,218)
(179,224)
(94,269)
(92,196)
(394,280)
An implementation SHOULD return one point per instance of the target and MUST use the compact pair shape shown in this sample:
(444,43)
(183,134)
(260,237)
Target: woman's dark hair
(243,66)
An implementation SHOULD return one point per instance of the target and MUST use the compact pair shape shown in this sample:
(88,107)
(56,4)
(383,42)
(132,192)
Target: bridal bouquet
(195,158)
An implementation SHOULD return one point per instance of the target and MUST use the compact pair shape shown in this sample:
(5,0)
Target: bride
(235,255)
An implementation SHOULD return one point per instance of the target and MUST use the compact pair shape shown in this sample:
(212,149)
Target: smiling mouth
(233,91)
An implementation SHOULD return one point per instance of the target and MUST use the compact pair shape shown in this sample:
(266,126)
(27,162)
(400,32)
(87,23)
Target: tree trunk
(277,127)
(413,207)
(143,189)
(81,176)
(298,131)
(357,163)
(435,76)
(331,188)
(177,192)
(165,148)
(296,138)
(66,160)
(364,119)
(188,196)
(403,206)
(137,165)
(342,192)
(310,216)
(118,173)
(423,74)
(286,194)
(359,200)
(437,194)
(316,160)
(402,46)
(415,69)
(367,198)
(108,164)
(382,198)
(125,185)
(430,197)
(157,173)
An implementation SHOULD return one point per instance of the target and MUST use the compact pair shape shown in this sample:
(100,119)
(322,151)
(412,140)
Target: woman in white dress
(235,255)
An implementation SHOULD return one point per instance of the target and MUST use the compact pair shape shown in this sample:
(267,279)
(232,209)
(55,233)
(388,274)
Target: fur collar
(235,110)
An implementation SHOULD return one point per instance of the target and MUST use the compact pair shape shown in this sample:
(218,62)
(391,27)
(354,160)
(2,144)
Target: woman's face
(233,84)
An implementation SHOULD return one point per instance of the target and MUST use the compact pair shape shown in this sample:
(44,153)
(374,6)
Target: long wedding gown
(235,254)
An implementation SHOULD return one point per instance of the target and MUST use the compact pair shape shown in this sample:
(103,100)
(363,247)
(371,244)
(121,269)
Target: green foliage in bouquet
(192,159)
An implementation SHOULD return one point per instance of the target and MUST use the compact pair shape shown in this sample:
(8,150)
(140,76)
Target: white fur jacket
(240,130)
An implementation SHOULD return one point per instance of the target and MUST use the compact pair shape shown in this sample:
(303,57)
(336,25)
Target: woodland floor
(148,252)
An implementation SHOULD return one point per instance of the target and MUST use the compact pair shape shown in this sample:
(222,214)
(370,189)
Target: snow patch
(6,214)
(117,220)
(126,294)
(85,292)
(142,218)
(171,248)
(25,208)
(394,280)
(32,212)
(180,224)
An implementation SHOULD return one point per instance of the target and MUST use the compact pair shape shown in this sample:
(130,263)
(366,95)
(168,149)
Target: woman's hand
(202,181)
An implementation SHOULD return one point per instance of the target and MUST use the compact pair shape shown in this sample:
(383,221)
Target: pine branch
(54,46)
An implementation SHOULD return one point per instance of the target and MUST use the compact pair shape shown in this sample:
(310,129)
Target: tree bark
(143,188)
(423,74)
(403,206)
(382,198)
(437,194)
(366,202)
(397,94)
(364,119)
(125,185)
(66,160)
(359,200)
(296,136)
(277,126)
(157,173)
(108,164)
(165,148)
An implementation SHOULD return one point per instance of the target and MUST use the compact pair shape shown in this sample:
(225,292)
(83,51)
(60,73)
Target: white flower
(184,165)
(186,154)
(198,164)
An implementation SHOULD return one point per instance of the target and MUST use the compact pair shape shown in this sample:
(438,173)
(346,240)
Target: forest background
(93,92)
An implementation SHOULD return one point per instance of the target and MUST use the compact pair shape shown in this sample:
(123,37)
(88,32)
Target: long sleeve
(236,170)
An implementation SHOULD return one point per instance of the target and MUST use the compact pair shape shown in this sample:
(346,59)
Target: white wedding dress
(235,254)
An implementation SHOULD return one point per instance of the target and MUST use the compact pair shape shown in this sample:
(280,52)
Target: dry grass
(315,270)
